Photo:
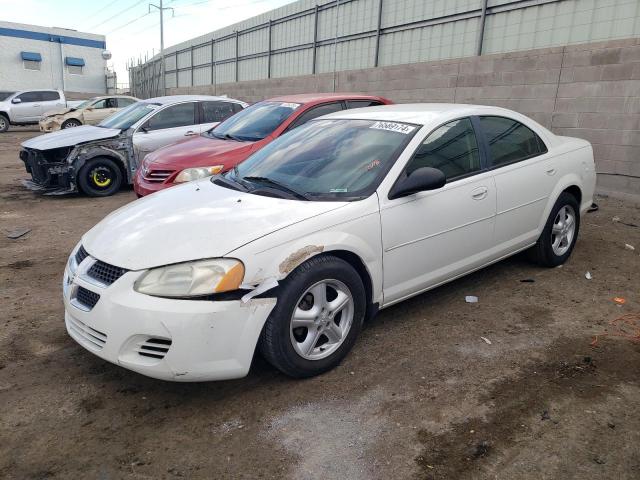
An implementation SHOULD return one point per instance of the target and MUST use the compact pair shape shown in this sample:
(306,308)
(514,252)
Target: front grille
(87,298)
(105,273)
(154,348)
(88,336)
(81,254)
(157,176)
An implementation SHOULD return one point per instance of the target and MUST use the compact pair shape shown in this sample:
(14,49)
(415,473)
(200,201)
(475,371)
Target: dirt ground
(421,396)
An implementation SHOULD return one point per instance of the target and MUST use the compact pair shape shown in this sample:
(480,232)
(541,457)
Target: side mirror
(16,100)
(88,109)
(144,128)
(420,180)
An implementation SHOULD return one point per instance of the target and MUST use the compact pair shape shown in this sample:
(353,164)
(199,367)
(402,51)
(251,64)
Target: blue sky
(131,31)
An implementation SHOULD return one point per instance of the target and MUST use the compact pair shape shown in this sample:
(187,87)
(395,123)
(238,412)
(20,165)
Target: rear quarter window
(510,141)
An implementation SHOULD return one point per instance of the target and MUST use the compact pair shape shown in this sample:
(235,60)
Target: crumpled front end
(51,124)
(54,171)
(50,172)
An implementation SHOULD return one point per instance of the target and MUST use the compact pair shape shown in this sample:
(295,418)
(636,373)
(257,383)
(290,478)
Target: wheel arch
(359,266)
(571,184)
(575,191)
(81,122)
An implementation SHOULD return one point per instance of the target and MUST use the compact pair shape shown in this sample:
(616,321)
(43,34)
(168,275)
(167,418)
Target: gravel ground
(422,395)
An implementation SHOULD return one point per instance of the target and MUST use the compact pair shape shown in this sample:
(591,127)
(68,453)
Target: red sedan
(233,140)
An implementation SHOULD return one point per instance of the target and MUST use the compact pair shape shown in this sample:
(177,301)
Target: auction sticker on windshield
(394,127)
(293,106)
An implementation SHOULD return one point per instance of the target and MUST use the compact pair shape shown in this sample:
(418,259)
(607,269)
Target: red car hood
(199,152)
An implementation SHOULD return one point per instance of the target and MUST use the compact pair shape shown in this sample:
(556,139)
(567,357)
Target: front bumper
(48,126)
(46,176)
(144,188)
(176,340)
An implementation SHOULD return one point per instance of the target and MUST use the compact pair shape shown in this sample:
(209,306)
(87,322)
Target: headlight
(192,279)
(189,174)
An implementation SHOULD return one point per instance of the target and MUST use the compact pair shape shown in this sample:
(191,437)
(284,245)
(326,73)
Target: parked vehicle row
(98,160)
(321,225)
(219,149)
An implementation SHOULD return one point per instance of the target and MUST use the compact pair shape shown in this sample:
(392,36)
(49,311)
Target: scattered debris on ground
(18,232)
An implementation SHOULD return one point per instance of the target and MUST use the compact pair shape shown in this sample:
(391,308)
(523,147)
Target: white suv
(26,107)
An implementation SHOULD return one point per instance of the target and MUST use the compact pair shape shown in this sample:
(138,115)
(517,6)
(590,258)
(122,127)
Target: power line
(100,10)
(117,14)
(126,24)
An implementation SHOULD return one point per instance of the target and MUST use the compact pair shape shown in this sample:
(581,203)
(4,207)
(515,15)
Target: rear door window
(316,112)
(125,102)
(179,115)
(362,103)
(510,141)
(50,96)
(216,111)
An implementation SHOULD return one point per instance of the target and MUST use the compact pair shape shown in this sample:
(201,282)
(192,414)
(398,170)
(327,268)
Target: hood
(53,113)
(70,137)
(190,222)
(199,152)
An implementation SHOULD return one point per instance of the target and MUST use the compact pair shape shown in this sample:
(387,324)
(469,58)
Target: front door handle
(189,133)
(479,193)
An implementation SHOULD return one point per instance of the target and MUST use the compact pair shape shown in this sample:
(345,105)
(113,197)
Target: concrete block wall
(590,91)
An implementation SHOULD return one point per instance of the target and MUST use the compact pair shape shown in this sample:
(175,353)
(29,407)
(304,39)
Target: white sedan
(293,249)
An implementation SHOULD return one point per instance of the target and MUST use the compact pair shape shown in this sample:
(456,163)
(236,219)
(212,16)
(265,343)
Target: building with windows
(43,57)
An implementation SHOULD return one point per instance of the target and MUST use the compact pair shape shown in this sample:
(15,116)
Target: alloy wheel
(321,319)
(563,230)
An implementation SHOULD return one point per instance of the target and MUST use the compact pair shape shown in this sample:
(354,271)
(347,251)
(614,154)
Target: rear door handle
(479,193)
(189,133)
(551,171)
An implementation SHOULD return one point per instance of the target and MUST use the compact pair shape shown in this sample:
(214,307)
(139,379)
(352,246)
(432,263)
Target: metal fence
(354,34)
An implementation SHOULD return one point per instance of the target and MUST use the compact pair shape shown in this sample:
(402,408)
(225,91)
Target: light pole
(161,8)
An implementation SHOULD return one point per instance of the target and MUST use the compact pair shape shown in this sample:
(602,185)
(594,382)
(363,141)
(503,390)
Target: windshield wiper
(279,186)
(234,184)
(226,136)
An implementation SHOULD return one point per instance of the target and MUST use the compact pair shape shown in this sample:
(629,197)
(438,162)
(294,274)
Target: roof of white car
(185,98)
(420,113)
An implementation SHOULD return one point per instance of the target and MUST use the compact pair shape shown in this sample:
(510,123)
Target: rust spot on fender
(299,256)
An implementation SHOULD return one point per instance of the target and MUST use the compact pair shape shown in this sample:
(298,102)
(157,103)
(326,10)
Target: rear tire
(317,318)
(100,177)
(560,233)
(4,123)
(71,123)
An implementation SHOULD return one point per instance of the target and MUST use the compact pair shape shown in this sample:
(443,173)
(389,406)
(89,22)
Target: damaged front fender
(55,171)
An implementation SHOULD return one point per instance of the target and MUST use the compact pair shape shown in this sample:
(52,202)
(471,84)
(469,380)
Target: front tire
(4,123)
(559,234)
(71,123)
(316,321)
(100,177)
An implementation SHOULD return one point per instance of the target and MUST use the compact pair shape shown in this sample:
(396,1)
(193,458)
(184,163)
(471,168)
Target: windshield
(326,159)
(84,104)
(255,122)
(5,95)
(129,115)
